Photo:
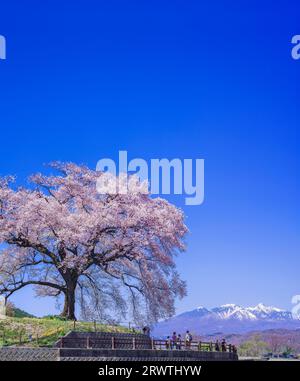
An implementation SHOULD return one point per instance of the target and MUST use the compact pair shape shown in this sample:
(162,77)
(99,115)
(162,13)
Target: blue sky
(85,79)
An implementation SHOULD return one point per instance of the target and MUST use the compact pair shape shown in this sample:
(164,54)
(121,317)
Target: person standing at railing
(168,343)
(179,342)
(188,339)
(217,346)
(174,341)
(223,345)
(146,331)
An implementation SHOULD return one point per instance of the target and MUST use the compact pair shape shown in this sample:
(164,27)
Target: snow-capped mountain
(232,311)
(229,318)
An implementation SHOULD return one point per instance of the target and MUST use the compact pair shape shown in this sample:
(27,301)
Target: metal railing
(138,343)
(193,346)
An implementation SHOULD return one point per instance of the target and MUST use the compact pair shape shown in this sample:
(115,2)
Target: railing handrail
(113,342)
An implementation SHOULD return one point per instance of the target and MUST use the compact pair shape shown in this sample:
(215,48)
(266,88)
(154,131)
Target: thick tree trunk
(69,303)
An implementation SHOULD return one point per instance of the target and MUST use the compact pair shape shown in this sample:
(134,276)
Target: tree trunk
(69,303)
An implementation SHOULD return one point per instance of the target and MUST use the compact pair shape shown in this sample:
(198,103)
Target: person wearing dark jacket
(174,341)
(223,345)
(168,343)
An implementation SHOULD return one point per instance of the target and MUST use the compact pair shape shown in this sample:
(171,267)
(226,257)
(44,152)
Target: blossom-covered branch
(108,251)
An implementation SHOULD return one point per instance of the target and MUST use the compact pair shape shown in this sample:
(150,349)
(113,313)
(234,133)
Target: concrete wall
(77,354)
(146,355)
(75,348)
(29,354)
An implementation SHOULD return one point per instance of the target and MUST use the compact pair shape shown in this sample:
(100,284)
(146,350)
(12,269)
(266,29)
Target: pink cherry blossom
(110,252)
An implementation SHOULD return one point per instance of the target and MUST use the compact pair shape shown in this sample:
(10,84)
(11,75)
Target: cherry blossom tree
(105,252)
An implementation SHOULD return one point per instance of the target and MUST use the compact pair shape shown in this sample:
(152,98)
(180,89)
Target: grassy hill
(29,331)
(18,313)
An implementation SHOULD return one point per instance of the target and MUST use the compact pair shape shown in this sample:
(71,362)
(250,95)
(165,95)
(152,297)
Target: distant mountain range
(228,318)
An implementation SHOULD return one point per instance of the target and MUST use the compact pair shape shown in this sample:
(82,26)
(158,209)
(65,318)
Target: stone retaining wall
(78,354)
(29,354)
(144,355)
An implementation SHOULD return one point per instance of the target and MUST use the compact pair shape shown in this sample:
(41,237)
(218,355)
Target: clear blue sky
(212,80)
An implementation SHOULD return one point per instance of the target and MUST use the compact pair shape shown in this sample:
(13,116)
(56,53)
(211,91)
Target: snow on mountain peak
(264,309)
(231,311)
(261,311)
(231,318)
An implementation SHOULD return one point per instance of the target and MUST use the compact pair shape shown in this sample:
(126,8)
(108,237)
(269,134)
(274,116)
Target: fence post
(133,343)
(152,344)
(199,346)
(88,343)
(112,343)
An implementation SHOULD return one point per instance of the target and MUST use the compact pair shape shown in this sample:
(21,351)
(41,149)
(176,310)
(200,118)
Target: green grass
(44,331)
(18,313)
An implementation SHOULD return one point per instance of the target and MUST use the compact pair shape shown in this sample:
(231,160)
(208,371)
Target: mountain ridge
(229,318)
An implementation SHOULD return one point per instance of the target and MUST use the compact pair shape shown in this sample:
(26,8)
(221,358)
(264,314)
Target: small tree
(10,309)
(254,347)
(110,252)
(276,343)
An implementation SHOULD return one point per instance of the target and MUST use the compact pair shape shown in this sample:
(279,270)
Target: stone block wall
(29,354)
